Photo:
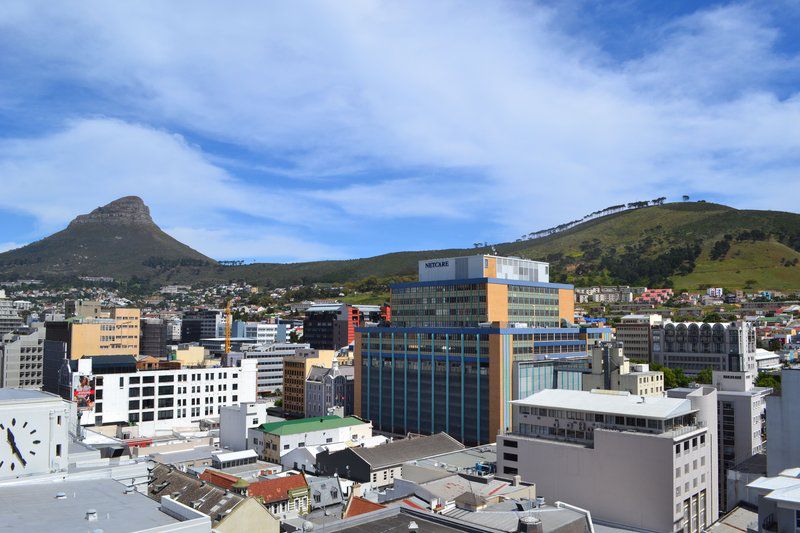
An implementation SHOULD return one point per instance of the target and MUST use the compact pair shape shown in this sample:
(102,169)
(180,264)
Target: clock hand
(12,441)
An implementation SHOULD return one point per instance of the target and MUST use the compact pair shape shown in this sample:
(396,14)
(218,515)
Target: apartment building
(22,358)
(636,333)
(269,363)
(742,428)
(695,346)
(260,332)
(646,463)
(296,369)
(9,317)
(110,390)
(117,334)
(611,370)
(471,335)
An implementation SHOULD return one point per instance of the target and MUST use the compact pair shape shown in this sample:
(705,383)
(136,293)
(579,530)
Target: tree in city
(765,379)
(705,376)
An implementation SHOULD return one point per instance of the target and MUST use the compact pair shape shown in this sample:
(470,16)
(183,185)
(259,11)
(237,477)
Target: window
(510,443)
(166,378)
(58,450)
(148,391)
(134,379)
(510,456)
(165,415)
(510,470)
(133,392)
(328,440)
(166,389)
(147,416)
(285,446)
(133,405)
(148,379)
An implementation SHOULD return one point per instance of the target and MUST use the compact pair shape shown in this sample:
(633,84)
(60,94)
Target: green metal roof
(304,425)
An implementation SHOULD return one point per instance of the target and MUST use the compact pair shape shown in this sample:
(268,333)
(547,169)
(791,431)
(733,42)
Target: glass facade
(537,306)
(448,305)
(427,383)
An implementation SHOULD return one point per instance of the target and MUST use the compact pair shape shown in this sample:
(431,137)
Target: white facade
(269,363)
(695,346)
(646,463)
(235,420)
(480,266)
(158,401)
(783,429)
(21,358)
(34,433)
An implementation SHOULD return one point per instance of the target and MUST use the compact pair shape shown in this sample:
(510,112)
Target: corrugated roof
(220,479)
(276,489)
(304,425)
(400,451)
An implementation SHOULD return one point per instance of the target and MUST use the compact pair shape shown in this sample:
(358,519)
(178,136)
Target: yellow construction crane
(228,327)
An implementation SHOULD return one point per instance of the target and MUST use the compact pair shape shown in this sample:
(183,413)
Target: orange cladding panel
(497,302)
(566,304)
(491,269)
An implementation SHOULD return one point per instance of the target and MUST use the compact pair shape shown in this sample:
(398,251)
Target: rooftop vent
(91,515)
(130,489)
(61,496)
(412,526)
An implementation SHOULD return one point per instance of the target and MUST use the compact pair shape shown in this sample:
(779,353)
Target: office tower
(471,335)
(201,324)
(330,326)
(153,340)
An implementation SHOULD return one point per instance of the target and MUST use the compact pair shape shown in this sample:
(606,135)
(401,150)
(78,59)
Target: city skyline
(359,129)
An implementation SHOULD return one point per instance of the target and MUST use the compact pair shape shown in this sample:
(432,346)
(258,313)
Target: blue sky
(320,130)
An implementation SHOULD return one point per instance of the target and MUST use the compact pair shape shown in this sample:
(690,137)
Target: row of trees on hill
(596,214)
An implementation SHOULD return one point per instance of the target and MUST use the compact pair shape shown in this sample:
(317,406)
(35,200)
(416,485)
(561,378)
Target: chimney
(530,524)
(91,515)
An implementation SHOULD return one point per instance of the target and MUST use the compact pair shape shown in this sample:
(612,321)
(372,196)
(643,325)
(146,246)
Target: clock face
(19,443)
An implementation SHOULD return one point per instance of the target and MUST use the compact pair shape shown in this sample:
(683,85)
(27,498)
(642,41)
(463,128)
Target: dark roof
(400,451)
(392,520)
(188,490)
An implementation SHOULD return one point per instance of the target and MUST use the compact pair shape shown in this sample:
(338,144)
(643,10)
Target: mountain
(118,240)
(683,244)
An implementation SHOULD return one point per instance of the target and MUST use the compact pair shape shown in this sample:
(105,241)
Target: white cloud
(554,126)
(92,162)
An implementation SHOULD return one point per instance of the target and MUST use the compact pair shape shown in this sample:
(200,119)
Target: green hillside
(685,245)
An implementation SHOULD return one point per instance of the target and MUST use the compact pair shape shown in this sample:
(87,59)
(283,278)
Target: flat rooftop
(616,403)
(34,507)
(26,395)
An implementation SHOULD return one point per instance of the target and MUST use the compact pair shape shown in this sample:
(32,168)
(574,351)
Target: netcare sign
(438,264)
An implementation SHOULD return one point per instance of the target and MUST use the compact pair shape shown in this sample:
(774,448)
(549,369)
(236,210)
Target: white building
(236,420)
(157,401)
(783,429)
(741,423)
(35,433)
(269,363)
(274,440)
(611,370)
(642,462)
(778,501)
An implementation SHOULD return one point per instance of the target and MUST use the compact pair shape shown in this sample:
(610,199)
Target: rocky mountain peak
(125,211)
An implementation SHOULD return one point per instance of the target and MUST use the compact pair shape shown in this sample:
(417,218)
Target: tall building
(201,324)
(644,463)
(154,337)
(21,358)
(118,334)
(695,346)
(295,372)
(260,332)
(636,333)
(330,326)
(783,430)
(471,335)
(330,388)
(611,370)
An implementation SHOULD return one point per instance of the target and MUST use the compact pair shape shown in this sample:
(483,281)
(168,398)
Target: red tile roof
(276,489)
(358,505)
(219,479)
